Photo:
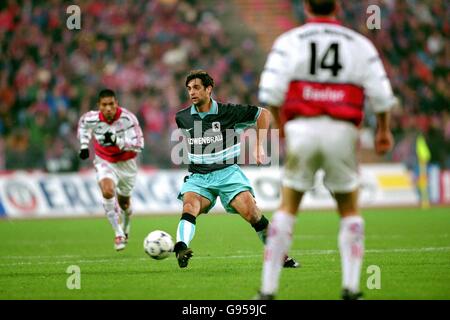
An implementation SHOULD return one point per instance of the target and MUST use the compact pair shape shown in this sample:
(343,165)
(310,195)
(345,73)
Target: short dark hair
(202,75)
(105,93)
(322,7)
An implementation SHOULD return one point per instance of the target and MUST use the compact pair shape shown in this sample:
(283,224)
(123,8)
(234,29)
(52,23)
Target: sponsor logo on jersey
(205,140)
(327,94)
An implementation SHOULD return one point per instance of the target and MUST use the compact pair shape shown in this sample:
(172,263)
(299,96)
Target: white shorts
(321,143)
(122,173)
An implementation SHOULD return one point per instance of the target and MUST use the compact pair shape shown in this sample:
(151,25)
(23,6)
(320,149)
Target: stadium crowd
(50,75)
(143,50)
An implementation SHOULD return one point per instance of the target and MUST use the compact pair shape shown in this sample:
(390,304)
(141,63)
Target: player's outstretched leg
(261,228)
(183,253)
(185,233)
(290,263)
(244,203)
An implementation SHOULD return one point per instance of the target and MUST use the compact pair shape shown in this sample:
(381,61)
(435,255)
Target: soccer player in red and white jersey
(117,141)
(316,81)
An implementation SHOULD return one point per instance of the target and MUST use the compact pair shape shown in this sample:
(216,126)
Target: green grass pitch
(410,246)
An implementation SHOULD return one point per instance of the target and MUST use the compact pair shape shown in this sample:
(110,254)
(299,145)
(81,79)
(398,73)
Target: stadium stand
(49,75)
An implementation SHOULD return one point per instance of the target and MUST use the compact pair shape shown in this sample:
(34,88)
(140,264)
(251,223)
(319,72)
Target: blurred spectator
(49,75)
(17,153)
(141,49)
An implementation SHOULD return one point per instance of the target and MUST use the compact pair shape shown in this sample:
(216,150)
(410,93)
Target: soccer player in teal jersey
(211,131)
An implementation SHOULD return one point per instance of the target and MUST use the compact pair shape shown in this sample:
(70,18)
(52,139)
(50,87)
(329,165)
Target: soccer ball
(158,244)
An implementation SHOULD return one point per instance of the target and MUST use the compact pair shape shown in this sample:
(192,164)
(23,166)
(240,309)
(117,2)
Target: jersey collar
(323,20)
(116,116)
(213,110)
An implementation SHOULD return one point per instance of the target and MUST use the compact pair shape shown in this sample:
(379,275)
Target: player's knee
(108,193)
(108,188)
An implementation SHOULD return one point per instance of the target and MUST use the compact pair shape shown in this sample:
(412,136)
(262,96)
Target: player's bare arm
(276,120)
(262,126)
(384,140)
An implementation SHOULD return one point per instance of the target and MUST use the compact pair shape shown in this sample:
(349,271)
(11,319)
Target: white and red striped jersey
(324,68)
(125,127)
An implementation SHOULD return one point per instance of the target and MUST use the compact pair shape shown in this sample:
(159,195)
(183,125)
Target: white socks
(185,231)
(126,214)
(351,248)
(278,243)
(111,213)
